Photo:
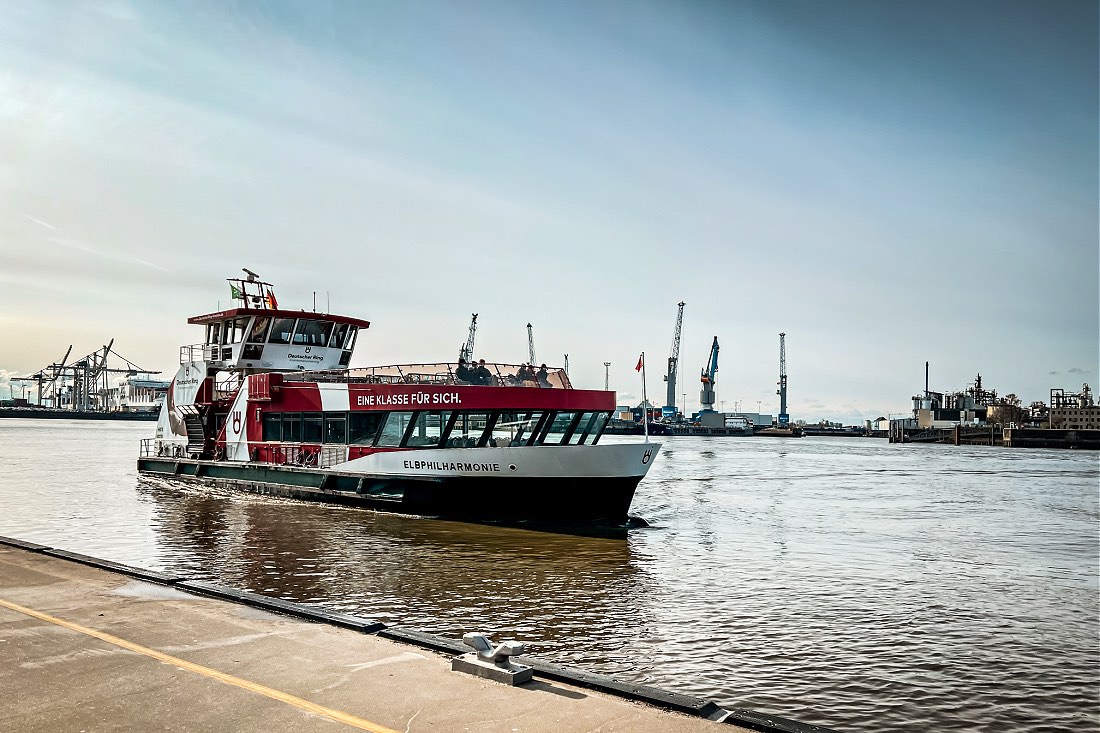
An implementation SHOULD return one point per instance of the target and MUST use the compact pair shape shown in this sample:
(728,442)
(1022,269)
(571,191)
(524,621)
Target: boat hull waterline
(567,485)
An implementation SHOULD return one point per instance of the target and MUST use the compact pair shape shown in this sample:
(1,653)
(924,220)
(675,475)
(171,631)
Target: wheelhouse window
(428,428)
(214,333)
(558,429)
(469,430)
(336,428)
(281,330)
(363,427)
(393,430)
(311,332)
(234,330)
(312,427)
(258,332)
(339,335)
(353,331)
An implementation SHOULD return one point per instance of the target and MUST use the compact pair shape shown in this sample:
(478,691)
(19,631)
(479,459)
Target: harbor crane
(466,352)
(784,418)
(531,345)
(669,409)
(88,386)
(47,377)
(606,375)
(708,378)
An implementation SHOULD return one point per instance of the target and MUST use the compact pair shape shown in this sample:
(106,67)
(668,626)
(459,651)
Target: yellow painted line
(228,679)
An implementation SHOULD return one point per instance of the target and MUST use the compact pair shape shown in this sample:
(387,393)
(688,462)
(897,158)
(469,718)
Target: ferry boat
(268,403)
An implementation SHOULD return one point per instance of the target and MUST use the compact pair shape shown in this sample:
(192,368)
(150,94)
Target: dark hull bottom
(547,502)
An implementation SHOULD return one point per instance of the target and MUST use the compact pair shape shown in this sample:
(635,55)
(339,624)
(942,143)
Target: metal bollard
(493,663)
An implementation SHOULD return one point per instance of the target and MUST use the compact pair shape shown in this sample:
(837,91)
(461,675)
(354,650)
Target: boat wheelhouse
(269,403)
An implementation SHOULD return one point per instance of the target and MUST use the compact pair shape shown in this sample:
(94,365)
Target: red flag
(639,367)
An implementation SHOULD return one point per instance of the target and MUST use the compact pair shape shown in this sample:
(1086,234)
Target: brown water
(839,581)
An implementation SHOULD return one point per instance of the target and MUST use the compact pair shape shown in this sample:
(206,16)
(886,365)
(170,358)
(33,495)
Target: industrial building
(1073,411)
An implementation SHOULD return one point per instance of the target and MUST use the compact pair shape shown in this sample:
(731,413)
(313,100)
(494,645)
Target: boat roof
(276,313)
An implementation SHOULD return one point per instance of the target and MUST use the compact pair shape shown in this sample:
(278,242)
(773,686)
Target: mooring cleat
(492,663)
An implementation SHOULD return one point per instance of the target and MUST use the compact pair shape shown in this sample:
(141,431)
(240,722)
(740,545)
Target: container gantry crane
(669,409)
(708,378)
(784,418)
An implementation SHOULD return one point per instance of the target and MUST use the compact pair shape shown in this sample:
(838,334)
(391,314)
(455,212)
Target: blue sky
(887,183)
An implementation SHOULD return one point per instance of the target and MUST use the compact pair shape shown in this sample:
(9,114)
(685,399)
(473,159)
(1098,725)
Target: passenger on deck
(464,373)
(542,378)
(525,374)
(482,375)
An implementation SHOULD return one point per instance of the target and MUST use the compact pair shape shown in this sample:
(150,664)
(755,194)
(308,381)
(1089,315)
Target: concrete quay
(90,645)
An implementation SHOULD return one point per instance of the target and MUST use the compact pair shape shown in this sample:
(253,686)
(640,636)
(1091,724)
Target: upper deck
(442,374)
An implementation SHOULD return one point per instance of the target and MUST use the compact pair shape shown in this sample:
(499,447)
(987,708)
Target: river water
(840,581)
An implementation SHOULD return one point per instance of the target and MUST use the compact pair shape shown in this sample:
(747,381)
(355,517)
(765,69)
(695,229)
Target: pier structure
(95,645)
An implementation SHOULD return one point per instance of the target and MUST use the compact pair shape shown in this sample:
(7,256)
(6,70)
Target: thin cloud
(39,222)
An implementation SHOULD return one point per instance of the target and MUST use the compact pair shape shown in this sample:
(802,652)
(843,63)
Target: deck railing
(437,374)
(274,454)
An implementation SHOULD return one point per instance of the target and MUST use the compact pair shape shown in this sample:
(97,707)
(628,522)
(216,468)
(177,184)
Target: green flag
(235,291)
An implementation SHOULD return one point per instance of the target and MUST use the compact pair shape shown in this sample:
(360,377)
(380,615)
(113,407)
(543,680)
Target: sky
(886,183)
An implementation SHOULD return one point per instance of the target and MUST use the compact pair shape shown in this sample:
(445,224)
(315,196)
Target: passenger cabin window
(505,428)
(428,428)
(292,427)
(559,428)
(336,428)
(363,426)
(273,426)
(527,428)
(311,332)
(394,428)
(281,330)
(312,427)
(468,430)
(595,430)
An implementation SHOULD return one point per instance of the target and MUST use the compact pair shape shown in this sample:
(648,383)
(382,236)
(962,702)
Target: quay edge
(651,696)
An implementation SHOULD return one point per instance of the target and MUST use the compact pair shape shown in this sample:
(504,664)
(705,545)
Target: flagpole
(645,403)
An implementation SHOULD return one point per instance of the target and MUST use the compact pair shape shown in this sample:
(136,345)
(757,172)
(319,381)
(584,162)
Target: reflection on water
(844,582)
(431,575)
